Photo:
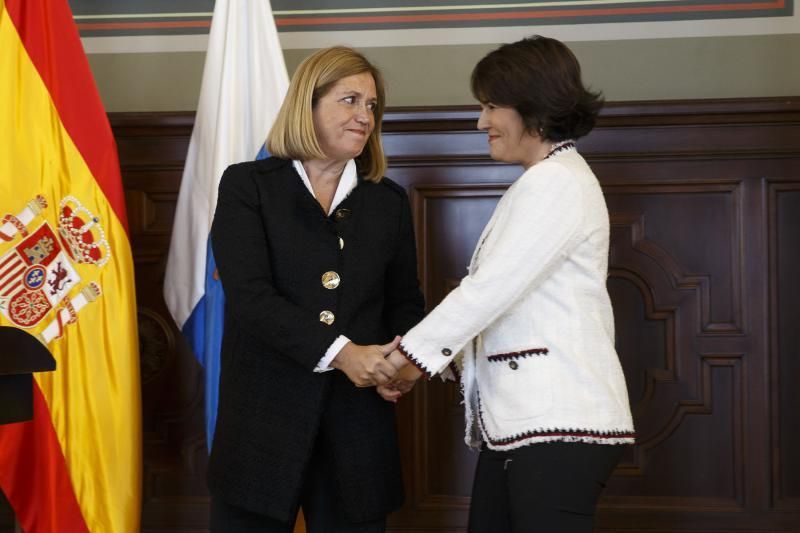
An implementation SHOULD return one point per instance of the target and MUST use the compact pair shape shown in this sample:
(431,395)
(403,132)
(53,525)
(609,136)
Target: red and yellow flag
(66,276)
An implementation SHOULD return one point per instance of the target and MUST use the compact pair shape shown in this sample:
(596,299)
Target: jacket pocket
(516,385)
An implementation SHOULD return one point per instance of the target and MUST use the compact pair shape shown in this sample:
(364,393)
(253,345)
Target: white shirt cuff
(331,353)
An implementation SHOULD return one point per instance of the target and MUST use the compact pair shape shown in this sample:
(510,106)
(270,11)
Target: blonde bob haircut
(292,135)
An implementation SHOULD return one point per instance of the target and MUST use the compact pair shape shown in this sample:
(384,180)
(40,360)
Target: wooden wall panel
(685,187)
(784,243)
(152,151)
(704,201)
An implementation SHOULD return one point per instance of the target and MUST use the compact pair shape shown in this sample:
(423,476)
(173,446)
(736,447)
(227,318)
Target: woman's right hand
(366,366)
(403,382)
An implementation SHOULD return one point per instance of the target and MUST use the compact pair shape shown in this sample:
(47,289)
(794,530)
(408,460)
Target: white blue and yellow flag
(244,81)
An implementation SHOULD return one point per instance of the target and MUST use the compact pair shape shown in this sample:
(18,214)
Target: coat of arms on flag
(76,465)
(37,273)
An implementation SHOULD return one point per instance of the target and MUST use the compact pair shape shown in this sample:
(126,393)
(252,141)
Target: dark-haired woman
(530,329)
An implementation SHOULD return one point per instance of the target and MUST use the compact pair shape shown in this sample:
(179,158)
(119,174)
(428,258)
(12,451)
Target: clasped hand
(384,366)
(407,375)
(367,366)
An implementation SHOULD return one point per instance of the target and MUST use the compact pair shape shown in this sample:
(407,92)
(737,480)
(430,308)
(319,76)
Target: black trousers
(319,501)
(549,488)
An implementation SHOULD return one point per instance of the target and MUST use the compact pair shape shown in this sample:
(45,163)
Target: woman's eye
(349,99)
(372,105)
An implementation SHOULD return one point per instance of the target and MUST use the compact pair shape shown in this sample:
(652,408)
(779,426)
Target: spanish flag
(66,277)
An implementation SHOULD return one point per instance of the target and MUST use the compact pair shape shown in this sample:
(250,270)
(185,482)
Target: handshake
(381,366)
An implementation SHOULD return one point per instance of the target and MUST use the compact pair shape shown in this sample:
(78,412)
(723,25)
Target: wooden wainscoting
(704,199)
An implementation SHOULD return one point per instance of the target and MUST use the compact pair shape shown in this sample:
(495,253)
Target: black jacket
(272,242)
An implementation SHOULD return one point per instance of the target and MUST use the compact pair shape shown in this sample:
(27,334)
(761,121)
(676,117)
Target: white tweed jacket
(532,323)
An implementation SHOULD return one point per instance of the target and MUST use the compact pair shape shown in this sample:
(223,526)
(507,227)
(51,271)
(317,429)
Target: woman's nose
(363,115)
(483,122)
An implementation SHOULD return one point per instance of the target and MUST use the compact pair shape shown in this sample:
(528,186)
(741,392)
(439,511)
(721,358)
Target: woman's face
(509,140)
(344,117)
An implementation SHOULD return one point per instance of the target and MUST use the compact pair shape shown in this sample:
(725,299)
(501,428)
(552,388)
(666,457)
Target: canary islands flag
(244,81)
(66,277)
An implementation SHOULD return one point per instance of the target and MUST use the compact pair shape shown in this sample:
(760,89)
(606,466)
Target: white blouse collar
(347,182)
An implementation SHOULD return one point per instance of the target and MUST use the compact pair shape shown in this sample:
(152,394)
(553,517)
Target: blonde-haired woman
(316,253)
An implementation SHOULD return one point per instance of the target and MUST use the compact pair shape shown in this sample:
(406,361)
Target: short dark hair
(541,79)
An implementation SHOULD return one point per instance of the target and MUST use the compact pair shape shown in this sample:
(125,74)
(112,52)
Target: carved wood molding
(750,112)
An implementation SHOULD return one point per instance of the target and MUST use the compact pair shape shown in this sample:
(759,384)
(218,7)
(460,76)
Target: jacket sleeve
(533,235)
(405,305)
(241,252)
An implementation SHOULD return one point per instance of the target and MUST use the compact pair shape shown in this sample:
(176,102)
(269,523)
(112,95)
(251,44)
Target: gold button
(327,317)
(341,214)
(341,243)
(331,280)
